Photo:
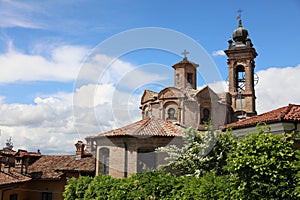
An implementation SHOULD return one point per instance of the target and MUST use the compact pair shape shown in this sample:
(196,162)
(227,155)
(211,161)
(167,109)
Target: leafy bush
(150,185)
(265,167)
(100,187)
(76,188)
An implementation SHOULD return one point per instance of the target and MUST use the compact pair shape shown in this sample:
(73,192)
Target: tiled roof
(290,113)
(54,166)
(12,178)
(146,127)
(22,153)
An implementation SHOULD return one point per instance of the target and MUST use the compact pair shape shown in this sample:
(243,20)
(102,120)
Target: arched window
(205,115)
(171,114)
(104,161)
(190,78)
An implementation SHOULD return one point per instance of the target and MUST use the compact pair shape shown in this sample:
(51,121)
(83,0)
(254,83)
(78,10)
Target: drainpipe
(296,140)
(296,126)
(126,160)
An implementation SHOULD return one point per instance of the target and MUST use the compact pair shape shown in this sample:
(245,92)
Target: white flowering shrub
(201,152)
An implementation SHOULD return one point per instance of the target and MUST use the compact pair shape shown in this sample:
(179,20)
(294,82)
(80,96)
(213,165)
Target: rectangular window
(190,78)
(13,197)
(240,103)
(177,79)
(46,196)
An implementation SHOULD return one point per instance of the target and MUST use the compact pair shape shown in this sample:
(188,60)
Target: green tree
(76,188)
(264,166)
(70,189)
(100,187)
(297,189)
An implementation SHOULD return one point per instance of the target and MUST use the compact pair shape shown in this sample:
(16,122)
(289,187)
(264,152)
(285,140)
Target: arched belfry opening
(240,80)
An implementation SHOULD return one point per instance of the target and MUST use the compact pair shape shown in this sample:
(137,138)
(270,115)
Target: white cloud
(63,65)
(277,87)
(219,87)
(98,107)
(51,126)
(218,53)
(19,14)
(104,69)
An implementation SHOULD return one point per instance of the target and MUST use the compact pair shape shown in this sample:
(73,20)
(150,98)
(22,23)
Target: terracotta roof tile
(287,113)
(12,178)
(146,127)
(54,166)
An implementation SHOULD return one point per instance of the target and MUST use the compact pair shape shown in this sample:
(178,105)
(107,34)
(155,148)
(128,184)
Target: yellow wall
(32,190)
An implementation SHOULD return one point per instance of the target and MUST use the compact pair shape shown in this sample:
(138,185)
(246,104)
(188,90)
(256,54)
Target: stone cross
(184,53)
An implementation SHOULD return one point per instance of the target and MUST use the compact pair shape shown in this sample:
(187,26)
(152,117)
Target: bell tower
(185,73)
(241,64)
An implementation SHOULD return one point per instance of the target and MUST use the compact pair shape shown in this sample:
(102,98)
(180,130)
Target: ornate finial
(240,13)
(184,53)
(239,17)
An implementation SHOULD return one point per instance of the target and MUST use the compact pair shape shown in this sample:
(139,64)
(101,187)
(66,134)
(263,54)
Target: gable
(171,93)
(206,94)
(148,95)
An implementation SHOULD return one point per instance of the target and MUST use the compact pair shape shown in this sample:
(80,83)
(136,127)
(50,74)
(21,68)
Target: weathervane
(184,53)
(240,13)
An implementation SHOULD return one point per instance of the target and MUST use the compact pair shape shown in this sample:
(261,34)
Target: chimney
(11,164)
(80,149)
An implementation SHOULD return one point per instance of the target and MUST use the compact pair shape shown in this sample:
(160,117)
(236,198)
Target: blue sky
(44,44)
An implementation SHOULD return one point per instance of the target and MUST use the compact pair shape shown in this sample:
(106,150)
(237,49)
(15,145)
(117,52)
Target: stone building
(31,175)
(166,113)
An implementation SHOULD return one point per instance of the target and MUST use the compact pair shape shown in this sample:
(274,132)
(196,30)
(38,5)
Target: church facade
(184,103)
(165,114)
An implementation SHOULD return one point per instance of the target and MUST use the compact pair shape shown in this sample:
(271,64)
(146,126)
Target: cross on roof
(184,53)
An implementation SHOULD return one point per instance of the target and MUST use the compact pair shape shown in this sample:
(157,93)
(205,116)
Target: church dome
(240,34)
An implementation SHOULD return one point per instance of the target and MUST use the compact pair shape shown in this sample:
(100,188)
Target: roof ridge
(148,120)
(286,111)
(151,91)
